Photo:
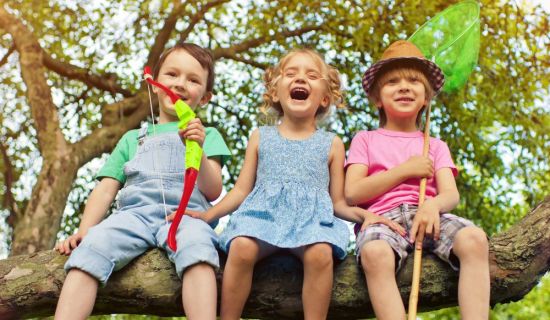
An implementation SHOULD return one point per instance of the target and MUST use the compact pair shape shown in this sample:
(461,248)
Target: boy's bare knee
(377,255)
(76,274)
(470,241)
(199,267)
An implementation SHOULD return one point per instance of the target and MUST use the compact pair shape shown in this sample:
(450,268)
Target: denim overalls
(139,222)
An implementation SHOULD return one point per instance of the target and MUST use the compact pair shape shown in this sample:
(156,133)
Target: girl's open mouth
(299,94)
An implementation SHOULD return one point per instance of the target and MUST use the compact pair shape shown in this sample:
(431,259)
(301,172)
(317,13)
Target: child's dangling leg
(195,259)
(243,254)
(198,292)
(472,250)
(77,297)
(378,261)
(318,277)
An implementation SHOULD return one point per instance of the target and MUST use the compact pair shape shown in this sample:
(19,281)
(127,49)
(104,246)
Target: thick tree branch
(170,23)
(250,62)
(106,82)
(105,138)
(30,284)
(164,34)
(44,112)
(198,16)
(70,71)
(252,43)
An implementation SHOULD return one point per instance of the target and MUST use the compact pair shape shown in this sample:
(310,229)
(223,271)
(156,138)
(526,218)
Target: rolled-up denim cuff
(92,262)
(197,253)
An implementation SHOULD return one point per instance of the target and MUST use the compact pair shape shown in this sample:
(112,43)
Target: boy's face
(402,96)
(301,90)
(185,76)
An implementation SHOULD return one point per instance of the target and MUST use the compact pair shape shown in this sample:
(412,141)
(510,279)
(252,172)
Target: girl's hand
(192,213)
(194,131)
(370,218)
(418,167)
(425,222)
(68,245)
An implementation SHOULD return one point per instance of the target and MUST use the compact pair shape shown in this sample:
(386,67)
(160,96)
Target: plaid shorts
(404,215)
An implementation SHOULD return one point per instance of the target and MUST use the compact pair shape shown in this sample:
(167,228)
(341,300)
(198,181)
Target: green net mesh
(451,39)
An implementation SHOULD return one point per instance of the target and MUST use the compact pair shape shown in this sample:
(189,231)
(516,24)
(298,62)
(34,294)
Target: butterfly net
(451,39)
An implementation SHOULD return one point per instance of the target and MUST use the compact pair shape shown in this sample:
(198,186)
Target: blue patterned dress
(290,205)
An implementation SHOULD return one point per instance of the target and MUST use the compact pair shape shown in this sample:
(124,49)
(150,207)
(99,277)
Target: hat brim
(433,72)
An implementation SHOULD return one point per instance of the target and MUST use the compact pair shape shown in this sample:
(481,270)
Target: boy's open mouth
(299,94)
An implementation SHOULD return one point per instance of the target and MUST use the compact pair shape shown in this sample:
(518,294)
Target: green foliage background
(497,125)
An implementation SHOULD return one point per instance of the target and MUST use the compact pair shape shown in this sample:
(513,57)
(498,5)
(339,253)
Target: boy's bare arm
(426,221)
(361,187)
(97,206)
(447,193)
(98,203)
(209,180)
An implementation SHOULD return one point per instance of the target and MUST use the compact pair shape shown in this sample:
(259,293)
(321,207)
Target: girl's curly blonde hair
(329,73)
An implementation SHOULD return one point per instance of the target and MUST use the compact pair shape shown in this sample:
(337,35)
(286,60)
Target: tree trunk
(519,257)
(37,228)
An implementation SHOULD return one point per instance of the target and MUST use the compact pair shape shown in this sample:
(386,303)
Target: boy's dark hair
(203,56)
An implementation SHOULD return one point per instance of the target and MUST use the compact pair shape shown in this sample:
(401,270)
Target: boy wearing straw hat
(384,168)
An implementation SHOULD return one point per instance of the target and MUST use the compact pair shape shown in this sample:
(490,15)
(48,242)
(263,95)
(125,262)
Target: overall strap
(142,133)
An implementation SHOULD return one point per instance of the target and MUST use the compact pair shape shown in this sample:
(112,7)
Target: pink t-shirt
(382,149)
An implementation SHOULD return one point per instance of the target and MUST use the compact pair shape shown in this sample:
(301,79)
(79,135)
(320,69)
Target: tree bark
(32,232)
(519,257)
(33,226)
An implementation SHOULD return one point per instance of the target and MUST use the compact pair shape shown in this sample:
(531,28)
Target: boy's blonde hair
(402,69)
(328,73)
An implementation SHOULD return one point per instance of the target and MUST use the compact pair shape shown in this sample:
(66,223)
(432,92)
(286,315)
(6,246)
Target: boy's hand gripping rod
(415,286)
(193,155)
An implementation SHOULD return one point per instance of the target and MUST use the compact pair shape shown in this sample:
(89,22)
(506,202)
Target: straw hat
(402,50)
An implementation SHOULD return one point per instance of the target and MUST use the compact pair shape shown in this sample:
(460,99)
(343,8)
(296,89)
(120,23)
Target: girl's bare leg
(237,278)
(318,277)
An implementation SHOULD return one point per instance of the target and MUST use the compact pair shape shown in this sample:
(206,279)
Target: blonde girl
(290,188)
